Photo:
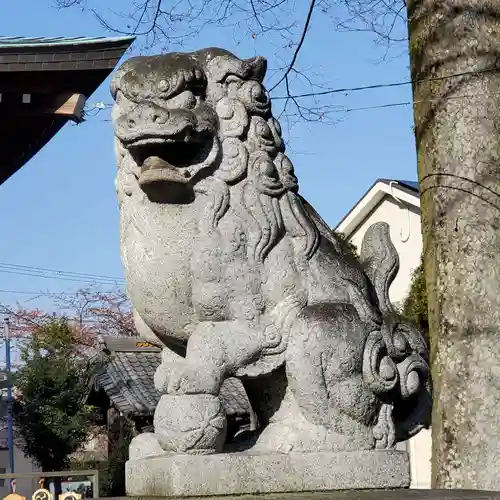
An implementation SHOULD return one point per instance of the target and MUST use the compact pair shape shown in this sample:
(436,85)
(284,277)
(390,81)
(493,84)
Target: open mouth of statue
(171,159)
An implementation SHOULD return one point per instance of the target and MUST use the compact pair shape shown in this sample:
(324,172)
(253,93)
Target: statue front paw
(186,377)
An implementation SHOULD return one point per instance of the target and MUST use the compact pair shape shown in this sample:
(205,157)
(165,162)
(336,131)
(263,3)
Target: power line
(41,272)
(19,266)
(345,90)
(320,111)
(24,292)
(374,86)
(388,85)
(62,278)
(40,293)
(376,106)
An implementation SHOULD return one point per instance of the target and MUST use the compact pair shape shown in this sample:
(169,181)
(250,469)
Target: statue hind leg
(325,406)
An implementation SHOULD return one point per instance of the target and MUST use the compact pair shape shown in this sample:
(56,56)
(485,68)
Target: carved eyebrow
(184,79)
(239,77)
(178,81)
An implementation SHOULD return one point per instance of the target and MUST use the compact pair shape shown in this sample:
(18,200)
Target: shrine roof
(44,83)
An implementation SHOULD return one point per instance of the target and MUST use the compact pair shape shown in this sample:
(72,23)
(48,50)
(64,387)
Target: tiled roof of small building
(127,378)
(21,41)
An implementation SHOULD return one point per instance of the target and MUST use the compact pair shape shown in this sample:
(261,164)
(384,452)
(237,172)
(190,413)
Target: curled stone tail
(395,358)
(380,262)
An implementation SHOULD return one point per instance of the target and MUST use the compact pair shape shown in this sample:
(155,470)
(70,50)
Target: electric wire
(347,90)
(389,85)
(58,274)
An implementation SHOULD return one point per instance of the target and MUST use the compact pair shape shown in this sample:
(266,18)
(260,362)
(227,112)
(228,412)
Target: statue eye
(197,89)
(169,87)
(163,86)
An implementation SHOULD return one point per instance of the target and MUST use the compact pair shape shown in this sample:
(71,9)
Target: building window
(2,481)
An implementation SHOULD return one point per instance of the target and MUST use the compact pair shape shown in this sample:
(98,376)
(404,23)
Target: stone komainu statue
(229,266)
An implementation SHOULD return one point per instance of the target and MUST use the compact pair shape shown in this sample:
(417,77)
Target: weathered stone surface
(223,255)
(145,445)
(244,473)
(400,494)
(187,422)
(391,495)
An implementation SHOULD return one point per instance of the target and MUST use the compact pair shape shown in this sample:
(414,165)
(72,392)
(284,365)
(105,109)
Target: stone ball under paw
(190,423)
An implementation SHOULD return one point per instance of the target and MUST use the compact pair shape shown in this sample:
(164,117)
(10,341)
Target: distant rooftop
(413,185)
(381,187)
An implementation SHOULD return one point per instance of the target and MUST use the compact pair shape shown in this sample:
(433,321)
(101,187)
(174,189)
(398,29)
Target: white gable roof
(402,191)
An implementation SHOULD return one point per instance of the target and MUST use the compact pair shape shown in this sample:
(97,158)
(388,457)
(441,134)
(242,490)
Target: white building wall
(405,229)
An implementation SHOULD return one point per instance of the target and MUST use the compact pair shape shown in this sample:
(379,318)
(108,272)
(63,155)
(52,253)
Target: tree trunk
(114,429)
(457,129)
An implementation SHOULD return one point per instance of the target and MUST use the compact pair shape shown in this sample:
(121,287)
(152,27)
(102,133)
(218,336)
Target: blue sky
(60,212)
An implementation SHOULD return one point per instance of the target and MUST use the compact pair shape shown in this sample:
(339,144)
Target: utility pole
(10,429)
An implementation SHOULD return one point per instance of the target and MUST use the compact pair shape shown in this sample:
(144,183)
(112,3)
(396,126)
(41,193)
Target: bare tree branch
(386,19)
(282,24)
(299,46)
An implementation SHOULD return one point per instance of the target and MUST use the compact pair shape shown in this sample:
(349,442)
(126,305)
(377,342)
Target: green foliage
(52,416)
(345,244)
(111,471)
(415,305)
(113,482)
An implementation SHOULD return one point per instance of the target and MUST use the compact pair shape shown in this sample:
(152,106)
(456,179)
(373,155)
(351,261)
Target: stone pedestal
(400,494)
(248,473)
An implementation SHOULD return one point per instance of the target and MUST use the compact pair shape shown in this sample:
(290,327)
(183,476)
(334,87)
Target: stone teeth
(154,162)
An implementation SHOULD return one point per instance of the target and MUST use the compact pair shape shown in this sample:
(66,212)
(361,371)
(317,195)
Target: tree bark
(457,129)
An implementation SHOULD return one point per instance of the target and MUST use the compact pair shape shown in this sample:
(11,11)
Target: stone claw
(145,445)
